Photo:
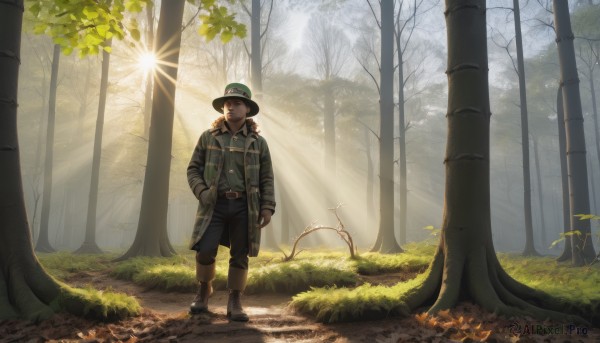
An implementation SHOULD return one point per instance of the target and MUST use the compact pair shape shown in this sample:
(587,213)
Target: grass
(64,264)
(326,280)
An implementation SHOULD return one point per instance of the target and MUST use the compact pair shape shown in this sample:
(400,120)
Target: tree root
(483,280)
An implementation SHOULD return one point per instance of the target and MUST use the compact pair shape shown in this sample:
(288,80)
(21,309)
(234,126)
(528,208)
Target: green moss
(295,276)
(365,302)
(98,305)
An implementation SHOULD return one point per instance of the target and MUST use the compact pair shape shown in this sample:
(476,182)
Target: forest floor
(165,318)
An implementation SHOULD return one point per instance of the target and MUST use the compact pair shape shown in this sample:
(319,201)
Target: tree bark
(149,78)
(151,238)
(539,191)
(89,245)
(529,249)
(256,60)
(402,182)
(26,291)
(43,244)
(582,248)
(389,243)
(562,147)
(465,265)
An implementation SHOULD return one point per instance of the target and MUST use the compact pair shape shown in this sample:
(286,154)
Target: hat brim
(218,104)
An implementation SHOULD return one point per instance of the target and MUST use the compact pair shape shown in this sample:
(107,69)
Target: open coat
(205,169)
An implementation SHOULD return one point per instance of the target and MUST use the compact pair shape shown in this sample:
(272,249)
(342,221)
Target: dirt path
(165,318)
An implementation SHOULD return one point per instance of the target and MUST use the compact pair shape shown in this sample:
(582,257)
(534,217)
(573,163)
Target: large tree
(465,265)
(151,237)
(26,290)
(581,244)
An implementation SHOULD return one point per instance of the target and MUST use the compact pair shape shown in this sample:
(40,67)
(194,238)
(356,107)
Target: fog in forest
(307,47)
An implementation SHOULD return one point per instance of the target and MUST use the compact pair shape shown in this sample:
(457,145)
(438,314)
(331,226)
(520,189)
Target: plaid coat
(205,169)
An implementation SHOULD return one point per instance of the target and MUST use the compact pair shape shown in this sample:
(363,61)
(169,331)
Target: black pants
(230,218)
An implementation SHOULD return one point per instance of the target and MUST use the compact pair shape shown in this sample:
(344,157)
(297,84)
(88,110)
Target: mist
(292,121)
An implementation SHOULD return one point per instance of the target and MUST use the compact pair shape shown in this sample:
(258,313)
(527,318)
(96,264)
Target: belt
(232,195)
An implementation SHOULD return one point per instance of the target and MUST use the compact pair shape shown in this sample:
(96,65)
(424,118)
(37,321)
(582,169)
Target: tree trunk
(256,61)
(582,248)
(597,139)
(43,244)
(370,178)
(465,265)
(529,249)
(402,186)
(74,184)
(26,291)
(539,191)
(329,129)
(386,142)
(151,238)
(89,245)
(562,151)
(149,78)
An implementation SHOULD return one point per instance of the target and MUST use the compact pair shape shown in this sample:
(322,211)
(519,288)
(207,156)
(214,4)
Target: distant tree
(406,22)
(519,68)
(581,245)
(538,171)
(388,242)
(329,50)
(43,244)
(562,151)
(89,245)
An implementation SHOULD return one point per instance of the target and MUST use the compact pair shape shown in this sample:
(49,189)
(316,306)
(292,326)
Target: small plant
(563,235)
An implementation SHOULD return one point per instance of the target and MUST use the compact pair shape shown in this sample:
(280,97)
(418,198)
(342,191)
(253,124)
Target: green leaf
(135,34)
(90,13)
(107,49)
(35,9)
(226,36)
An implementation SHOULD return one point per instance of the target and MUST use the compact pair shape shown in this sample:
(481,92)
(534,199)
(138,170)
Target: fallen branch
(340,229)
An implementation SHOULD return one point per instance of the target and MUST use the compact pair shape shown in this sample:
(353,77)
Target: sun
(147,61)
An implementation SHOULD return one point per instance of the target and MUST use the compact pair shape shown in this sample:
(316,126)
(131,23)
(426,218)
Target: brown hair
(250,124)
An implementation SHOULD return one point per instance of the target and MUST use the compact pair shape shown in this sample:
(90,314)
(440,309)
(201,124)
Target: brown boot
(235,311)
(236,283)
(204,274)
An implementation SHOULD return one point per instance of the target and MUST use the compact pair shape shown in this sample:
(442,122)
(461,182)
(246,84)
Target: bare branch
(191,19)
(268,20)
(374,14)
(370,74)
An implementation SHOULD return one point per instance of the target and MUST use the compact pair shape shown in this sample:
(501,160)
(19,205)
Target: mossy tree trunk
(26,291)
(465,265)
(151,238)
(89,245)
(43,244)
(581,245)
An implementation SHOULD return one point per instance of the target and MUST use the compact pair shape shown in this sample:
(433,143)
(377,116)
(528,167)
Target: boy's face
(235,110)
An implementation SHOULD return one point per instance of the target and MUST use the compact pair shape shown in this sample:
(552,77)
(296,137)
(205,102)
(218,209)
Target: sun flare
(147,61)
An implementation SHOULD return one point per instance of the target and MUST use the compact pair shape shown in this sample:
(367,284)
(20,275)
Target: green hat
(239,91)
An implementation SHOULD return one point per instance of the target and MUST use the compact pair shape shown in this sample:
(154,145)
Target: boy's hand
(264,218)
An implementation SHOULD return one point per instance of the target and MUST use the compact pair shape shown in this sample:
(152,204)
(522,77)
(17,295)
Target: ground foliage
(375,309)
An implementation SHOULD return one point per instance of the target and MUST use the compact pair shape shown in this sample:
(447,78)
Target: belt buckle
(232,195)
